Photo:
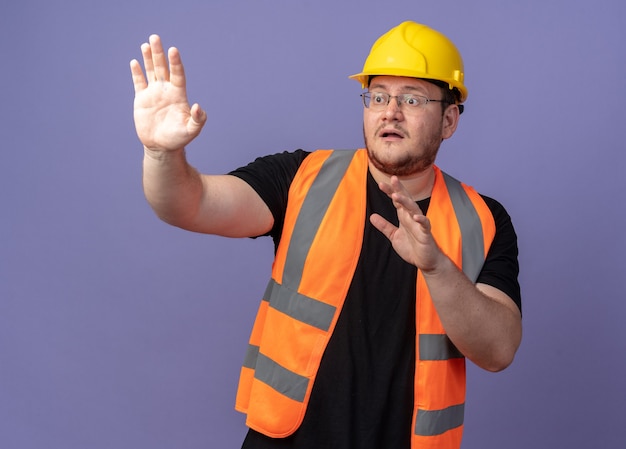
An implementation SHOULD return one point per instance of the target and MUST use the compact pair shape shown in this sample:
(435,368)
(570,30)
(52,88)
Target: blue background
(119,331)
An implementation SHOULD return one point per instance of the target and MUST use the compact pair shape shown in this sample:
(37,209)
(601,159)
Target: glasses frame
(400,99)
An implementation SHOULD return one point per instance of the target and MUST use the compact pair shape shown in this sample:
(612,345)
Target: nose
(393,110)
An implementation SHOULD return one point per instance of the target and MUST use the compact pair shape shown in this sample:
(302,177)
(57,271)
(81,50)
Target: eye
(379,98)
(411,100)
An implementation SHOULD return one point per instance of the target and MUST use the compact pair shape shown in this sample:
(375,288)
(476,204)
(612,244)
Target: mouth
(391,134)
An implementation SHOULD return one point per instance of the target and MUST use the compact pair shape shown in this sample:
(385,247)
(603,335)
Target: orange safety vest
(312,272)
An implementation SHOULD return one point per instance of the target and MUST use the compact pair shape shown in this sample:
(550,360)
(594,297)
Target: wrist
(441,267)
(159,155)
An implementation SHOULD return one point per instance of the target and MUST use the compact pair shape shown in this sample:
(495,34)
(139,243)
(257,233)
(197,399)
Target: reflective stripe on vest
(283,296)
(471,228)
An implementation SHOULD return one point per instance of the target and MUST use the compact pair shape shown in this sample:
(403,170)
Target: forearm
(172,187)
(482,322)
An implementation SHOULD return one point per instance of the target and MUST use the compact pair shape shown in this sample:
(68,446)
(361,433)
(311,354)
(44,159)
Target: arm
(165,124)
(482,321)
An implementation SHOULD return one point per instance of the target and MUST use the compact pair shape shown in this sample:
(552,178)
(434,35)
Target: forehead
(401,84)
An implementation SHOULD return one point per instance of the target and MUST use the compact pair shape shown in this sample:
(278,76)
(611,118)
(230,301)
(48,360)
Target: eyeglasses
(378,101)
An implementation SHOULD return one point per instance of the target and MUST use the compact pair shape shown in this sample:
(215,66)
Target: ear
(450,121)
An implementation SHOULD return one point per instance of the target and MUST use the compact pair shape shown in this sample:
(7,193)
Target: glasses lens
(375,100)
(366,100)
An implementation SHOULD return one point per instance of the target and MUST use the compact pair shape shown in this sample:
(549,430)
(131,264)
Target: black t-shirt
(363,394)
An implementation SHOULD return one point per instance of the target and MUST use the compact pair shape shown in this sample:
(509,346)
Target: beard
(408,163)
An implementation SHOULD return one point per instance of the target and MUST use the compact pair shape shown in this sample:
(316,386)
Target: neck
(419,185)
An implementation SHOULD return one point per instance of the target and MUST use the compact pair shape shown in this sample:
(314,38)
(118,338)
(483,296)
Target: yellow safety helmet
(415,50)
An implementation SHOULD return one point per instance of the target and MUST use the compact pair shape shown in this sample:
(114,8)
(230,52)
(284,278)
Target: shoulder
(286,162)
(271,176)
(500,215)
(273,173)
(501,267)
(495,206)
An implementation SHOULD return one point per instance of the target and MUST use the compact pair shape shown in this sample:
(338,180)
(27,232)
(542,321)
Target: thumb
(198,115)
(383,225)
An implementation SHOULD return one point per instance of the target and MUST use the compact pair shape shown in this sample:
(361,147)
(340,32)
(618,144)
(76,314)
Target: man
(388,271)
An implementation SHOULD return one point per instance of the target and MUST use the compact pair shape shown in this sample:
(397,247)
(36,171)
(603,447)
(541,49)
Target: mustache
(395,126)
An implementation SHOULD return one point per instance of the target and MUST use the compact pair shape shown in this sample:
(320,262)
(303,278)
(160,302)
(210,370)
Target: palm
(413,241)
(161,114)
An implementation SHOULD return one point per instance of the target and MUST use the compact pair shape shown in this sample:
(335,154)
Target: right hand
(163,118)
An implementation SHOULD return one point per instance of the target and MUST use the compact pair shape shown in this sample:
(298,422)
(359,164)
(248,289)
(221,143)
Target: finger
(398,186)
(198,119)
(385,188)
(383,225)
(423,221)
(161,71)
(406,204)
(396,189)
(139,80)
(177,70)
(400,195)
(146,52)
(198,114)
